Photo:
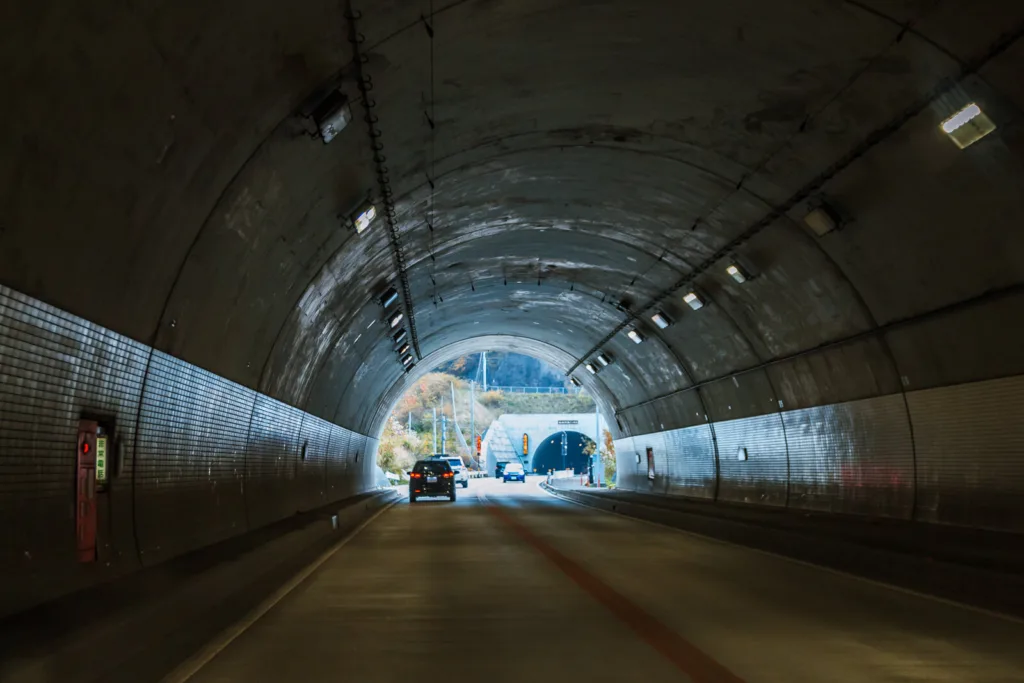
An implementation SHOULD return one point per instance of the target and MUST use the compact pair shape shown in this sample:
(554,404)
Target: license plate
(431,480)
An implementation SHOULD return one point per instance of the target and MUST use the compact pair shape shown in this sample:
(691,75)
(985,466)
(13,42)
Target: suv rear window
(431,467)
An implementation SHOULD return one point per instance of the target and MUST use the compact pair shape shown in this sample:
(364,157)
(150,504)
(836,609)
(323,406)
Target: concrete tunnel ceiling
(581,163)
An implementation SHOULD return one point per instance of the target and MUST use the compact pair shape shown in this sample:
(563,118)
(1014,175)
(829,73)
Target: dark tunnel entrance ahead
(548,455)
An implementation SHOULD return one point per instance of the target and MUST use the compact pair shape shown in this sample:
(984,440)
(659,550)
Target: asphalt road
(510,584)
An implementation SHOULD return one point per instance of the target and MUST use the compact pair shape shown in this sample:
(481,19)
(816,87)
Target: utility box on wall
(85,490)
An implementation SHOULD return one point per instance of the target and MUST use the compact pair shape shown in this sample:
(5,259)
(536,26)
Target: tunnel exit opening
(562,451)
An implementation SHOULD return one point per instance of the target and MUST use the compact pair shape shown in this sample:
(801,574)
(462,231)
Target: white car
(458,467)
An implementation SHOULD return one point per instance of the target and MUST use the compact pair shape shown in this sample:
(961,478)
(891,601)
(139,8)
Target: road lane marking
(687,657)
(191,666)
(821,567)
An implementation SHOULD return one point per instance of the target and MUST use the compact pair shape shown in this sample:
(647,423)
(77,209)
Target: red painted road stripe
(687,657)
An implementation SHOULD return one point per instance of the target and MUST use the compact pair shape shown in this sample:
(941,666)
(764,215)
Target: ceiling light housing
(590,368)
(395,320)
(636,336)
(822,219)
(399,336)
(737,273)
(604,359)
(403,349)
(406,359)
(968,125)
(575,382)
(389,297)
(694,301)
(332,115)
(363,217)
(661,320)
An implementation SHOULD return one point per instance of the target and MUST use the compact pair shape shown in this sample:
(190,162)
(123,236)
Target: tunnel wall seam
(952,455)
(201,458)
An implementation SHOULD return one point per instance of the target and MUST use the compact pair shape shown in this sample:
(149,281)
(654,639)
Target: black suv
(499,470)
(431,478)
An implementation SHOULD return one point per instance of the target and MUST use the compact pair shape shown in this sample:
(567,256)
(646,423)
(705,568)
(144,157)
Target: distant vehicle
(514,472)
(432,477)
(458,467)
(498,469)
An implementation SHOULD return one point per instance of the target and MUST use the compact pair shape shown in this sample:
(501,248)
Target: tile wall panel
(970,453)
(314,438)
(691,462)
(761,478)
(272,462)
(855,457)
(337,472)
(56,368)
(190,479)
(181,438)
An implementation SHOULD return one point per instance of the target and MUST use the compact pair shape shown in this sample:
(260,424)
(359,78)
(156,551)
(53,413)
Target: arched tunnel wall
(583,165)
(201,458)
(936,447)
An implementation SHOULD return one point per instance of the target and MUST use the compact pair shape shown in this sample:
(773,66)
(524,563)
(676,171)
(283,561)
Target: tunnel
(778,242)
(548,454)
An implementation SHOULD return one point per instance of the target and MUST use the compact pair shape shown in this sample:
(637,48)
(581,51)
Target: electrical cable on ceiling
(365,85)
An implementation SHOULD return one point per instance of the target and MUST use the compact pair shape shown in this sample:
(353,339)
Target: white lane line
(805,563)
(191,666)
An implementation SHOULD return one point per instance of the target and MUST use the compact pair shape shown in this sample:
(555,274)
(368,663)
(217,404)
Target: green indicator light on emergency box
(101,458)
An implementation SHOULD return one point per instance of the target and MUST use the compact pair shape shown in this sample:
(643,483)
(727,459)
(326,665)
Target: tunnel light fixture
(389,297)
(661,320)
(395,320)
(968,125)
(694,301)
(590,368)
(399,336)
(575,382)
(332,115)
(737,273)
(363,217)
(636,336)
(403,349)
(822,219)
(604,359)
(406,359)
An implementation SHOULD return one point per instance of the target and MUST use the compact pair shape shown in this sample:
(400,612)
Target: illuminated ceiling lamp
(590,368)
(604,359)
(332,115)
(389,297)
(403,349)
(399,336)
(636,336)
(967,126)
(407,359)
(661,320)
(395,319)
(694,301)
(575,382)
(363,216)
(737,273)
